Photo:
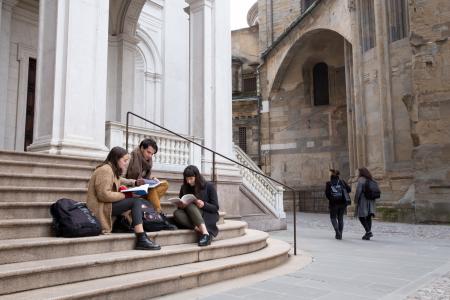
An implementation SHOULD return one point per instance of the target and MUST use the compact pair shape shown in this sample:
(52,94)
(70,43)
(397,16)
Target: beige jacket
(103,189)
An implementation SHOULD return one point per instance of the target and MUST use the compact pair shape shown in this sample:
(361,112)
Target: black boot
(204,240)
(144,243)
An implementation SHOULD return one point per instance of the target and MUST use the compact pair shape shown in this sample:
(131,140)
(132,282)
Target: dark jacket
(333,181)
(210,211)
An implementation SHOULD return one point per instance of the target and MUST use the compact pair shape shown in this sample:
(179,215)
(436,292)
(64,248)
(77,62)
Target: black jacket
(334,180)
(210,212)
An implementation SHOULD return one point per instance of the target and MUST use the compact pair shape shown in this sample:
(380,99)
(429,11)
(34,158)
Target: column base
(69,149)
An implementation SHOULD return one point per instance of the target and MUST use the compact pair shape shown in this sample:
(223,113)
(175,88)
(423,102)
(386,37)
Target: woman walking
(335,190)
(365,208)
(106,202)
(202,214)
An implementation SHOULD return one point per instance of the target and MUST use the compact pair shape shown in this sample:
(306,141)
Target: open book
(139,190)
(186,199)
(154,182)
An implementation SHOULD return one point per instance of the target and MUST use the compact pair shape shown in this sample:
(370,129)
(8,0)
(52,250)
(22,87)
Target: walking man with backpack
(367,191)
(336,191)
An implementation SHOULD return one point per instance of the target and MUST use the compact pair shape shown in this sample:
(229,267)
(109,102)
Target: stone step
(158,282)
(32,249)
(49,158)
(33,180)
(40,194)
(40,168)
(51,194)
(38,274)
(36,227)
(38,210)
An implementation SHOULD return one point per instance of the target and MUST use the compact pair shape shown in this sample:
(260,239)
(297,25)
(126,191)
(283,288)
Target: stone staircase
(35,265)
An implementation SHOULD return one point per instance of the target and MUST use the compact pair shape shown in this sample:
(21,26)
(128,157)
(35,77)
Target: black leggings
(366,222)
(337,217)
(135,204)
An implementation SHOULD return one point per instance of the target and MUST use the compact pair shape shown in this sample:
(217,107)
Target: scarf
(138,166)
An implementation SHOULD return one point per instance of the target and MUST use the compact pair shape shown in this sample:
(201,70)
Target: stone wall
(429,108)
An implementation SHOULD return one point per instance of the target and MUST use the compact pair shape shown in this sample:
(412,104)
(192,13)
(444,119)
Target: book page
(139,190)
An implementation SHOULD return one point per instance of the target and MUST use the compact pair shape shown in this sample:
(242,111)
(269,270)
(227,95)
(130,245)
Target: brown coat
(138,166)
(103,189)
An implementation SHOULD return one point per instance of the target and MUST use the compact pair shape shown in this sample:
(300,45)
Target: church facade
(347,84)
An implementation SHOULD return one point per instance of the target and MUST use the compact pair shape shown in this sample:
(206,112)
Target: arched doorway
(310,121)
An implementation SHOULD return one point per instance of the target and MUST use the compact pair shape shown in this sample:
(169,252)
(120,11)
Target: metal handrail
(214,153)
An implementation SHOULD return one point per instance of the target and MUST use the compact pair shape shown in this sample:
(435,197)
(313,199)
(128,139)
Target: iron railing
(214,177)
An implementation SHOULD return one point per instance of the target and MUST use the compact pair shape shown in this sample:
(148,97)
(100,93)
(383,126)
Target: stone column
(348,53)
(384,82)
(6,7)
(121,76)
(359,107)
(210,72)
(71,78)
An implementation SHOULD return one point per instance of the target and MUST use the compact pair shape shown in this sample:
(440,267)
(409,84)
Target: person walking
(335,190)
(365,208)
(106,202)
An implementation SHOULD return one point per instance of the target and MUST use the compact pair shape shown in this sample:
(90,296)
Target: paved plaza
(402,261)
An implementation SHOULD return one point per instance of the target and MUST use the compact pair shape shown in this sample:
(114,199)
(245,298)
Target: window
(249,84)
(367,25)
(398,20)
(320,84)
(243,138)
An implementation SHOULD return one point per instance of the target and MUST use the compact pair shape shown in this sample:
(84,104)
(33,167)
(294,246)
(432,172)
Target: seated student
(140,170)
(105,201)
(202,214)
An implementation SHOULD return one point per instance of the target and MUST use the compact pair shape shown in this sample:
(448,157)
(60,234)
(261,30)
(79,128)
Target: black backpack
(337,192)
(73,219)
(371,190)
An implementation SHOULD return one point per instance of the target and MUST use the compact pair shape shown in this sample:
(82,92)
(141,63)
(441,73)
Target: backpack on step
(371,190)
(73,219)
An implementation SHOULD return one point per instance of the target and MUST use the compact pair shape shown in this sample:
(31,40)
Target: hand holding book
(183,201)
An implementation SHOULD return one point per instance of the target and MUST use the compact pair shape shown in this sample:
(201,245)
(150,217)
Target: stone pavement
(402,261)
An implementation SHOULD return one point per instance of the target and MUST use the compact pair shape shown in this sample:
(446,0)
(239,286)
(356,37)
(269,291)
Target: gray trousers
(188,217)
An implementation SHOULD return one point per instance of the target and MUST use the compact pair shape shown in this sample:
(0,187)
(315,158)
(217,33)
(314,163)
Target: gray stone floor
(402,261)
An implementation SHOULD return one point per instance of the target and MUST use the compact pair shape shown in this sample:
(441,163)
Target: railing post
(126,133)
(295,222)
(214,169)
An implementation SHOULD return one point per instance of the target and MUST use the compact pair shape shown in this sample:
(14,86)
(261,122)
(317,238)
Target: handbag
(348,200)
(152,220)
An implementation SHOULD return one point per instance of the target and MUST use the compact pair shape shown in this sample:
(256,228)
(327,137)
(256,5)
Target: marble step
(43,248)
(45,168)
(35,227)
(39,274)
(158,282)
(37,210)
(49,158)
(43,180)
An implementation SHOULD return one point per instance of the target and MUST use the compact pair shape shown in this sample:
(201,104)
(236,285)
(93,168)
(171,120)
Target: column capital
(197,4)
(9,4)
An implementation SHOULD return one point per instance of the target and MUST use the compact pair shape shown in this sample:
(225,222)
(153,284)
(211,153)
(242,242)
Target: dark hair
(200,182)
(145,143)
(335,172)
(113,158)
(365,173)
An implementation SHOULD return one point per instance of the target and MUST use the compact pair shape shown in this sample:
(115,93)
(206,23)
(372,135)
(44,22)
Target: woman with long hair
(203,213)
(106,202)
(365,208)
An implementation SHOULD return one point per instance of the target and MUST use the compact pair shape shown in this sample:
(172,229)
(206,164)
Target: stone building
(354,83)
